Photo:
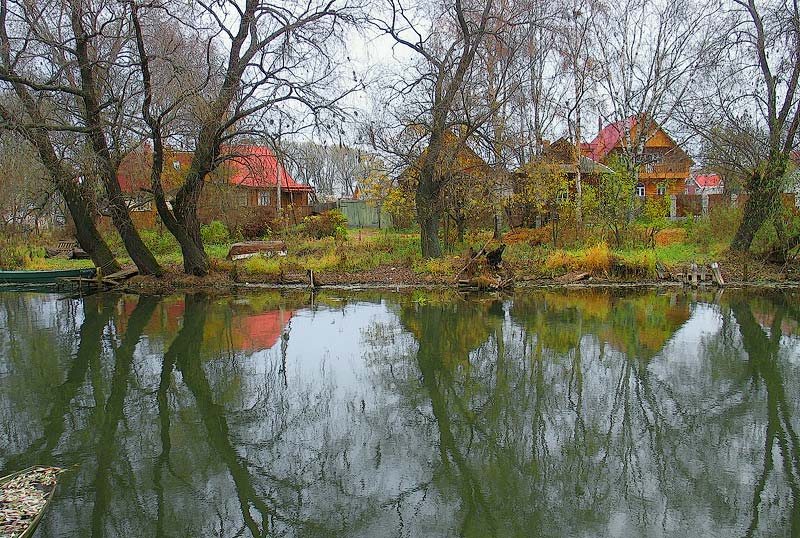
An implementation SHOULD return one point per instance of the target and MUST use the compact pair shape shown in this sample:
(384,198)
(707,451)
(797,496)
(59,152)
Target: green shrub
(259,265)
(215,233)
(331,223)
(159,243)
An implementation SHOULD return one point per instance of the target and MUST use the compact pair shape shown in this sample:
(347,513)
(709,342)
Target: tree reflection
(764,360)
(542,414)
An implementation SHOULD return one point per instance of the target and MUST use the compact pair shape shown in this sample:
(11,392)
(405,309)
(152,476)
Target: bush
(559,261)
(331,223)
(259,265)
(597,259)
(215,233)
(160,244)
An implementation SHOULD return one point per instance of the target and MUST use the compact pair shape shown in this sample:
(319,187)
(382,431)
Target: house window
(661,190)
(563,197)
(640,190)
(176,165)
(263,197)
(241,197)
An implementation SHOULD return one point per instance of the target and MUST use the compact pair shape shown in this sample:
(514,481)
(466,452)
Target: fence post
(734,201)
(704,203)
(673,206)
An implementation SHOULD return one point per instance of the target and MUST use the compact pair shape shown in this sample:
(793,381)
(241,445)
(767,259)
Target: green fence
(360,214)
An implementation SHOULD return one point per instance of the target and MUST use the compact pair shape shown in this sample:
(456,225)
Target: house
(562,153)
(665,165)
(705,184)
(250,184)
(539,189)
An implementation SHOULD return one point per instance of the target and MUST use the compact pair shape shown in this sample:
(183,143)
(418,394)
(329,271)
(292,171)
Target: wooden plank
(122,275)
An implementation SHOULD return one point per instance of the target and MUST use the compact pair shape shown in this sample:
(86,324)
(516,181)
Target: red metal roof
(708,180)
(256,166)
(248,166)
(607,139)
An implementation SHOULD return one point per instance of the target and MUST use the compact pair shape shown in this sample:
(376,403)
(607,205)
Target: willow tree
(767,51)
(264,61)
(66,62)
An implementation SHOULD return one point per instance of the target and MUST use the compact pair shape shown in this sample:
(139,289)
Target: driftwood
(495,257)
(661,270)
(473,256)
(717,275)
(246,249)
(572,277)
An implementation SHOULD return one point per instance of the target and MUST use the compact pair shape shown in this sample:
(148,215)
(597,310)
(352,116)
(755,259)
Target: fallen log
(246,249)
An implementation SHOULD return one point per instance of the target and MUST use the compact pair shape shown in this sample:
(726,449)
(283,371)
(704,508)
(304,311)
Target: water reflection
(429,414)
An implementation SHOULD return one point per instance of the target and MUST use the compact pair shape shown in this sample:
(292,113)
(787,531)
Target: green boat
(24,496)
(44,277)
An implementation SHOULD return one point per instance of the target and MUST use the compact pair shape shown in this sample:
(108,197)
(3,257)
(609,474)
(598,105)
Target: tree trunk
(428,218)
(86,232)
(765,196)
(120,216)
(186,229)
(578,182)
(427,200)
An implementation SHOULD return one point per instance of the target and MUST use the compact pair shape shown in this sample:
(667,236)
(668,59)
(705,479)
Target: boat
(24,496)
(44,277)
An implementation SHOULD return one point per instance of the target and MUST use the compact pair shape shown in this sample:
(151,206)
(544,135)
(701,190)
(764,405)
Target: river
(371,414)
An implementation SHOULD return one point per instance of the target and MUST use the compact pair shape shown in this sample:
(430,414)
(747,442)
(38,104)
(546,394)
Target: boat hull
(44,277)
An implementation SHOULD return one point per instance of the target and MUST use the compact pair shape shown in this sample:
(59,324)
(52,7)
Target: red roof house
(705,184)
(665,167)
(253,172)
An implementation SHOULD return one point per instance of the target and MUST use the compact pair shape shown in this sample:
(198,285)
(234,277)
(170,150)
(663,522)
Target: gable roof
(608,138)
(243,165)
(708,180)
(257,166)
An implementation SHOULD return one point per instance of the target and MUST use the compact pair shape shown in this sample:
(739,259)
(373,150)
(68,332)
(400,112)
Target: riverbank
(737,272)
(373,258)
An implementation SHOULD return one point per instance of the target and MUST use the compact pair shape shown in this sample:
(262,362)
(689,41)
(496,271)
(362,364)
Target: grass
(526,255)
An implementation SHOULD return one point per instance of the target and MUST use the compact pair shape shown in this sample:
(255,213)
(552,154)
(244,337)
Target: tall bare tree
(65,61)
(651,56)
(443,39)
(577,30)
(277,55)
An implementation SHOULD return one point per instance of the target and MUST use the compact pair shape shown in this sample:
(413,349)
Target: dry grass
(597,259)
(670,236)
(560,261)
(259,265)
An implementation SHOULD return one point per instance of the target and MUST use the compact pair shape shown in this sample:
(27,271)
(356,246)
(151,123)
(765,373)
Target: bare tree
(651,56)
(65,61)
(277,55)
(577,30)
(444,40)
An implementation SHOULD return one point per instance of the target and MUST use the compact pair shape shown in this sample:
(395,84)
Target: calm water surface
(597,413)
